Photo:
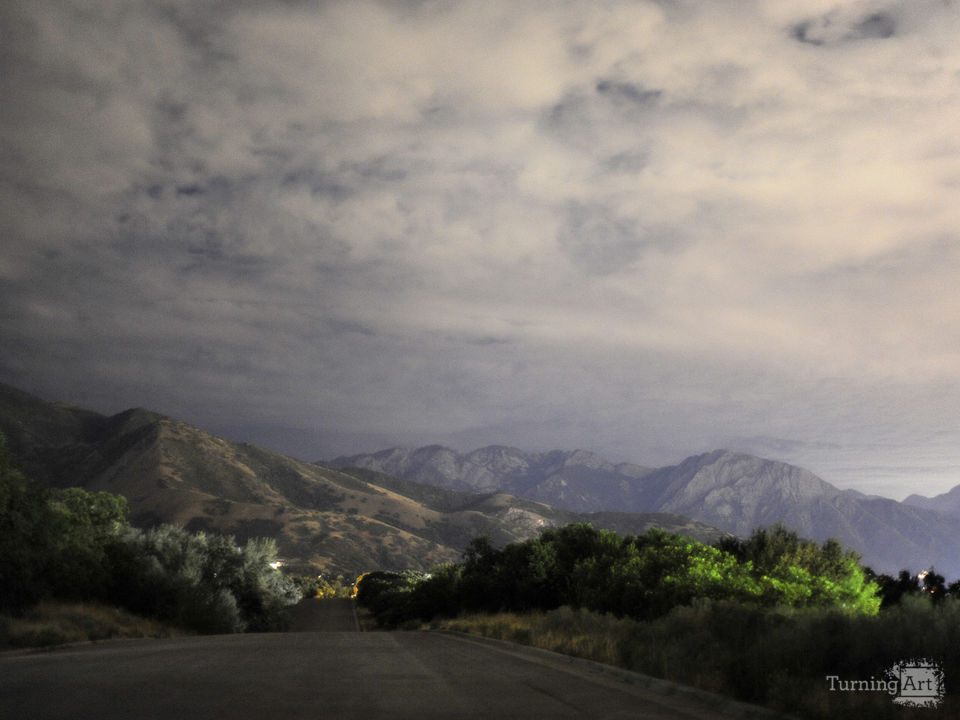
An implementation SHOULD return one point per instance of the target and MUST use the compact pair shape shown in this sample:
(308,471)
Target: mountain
(948,502)
(580,481)
(737,492)
(731,491)
(322,518)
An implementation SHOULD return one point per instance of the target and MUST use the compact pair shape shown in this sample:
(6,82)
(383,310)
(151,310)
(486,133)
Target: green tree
(82,526)
(202,582)
(25,541)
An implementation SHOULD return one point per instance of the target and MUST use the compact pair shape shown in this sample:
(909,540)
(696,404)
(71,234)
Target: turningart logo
(911,683)
(920,683)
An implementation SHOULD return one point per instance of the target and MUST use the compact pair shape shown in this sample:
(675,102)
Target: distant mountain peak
(731,490)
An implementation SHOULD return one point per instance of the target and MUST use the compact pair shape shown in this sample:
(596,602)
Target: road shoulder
(679,697)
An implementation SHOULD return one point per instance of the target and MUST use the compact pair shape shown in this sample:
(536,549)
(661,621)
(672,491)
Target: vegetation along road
(336,674)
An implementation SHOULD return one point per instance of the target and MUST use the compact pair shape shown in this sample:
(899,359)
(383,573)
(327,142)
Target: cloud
(641,227)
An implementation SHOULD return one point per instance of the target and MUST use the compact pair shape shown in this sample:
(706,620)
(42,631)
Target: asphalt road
(315,675)
(324,616)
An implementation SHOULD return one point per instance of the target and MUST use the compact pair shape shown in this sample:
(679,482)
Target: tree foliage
(77,545)
(642,576)
(202,582)
(25,546)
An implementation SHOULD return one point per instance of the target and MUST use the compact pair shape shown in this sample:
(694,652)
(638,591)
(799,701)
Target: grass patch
(771,657)
(366,621)
(580,633)
(57,623)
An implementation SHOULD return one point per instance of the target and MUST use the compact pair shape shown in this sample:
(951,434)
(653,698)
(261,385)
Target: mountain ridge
(732,491)
(948,502)
(322,518)
(569,479)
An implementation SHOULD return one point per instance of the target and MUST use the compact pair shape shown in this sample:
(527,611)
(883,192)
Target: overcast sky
(648,229)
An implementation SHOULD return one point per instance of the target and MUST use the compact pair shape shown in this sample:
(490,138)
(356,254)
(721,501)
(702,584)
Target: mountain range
(581,481)
(323,519)
(731,491)
(413,508)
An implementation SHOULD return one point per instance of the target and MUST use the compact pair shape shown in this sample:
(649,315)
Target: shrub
(54,623)
(202,582)
(642,577)
(25,544)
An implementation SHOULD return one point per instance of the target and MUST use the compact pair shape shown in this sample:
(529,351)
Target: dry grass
(684,648)
(550,631)
(366,620)
(57,623)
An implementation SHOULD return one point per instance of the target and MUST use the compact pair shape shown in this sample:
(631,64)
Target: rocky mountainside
(730,491)
(948,502)
(323,518)
(738,492)
(580,481)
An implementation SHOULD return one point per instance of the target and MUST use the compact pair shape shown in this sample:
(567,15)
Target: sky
(643,228)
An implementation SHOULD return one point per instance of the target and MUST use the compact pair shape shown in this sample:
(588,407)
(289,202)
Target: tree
(82,525)
(892,590)
(202,582)
(25,543)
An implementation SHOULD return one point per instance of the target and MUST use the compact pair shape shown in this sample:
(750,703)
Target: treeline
(641,577)
(77,545)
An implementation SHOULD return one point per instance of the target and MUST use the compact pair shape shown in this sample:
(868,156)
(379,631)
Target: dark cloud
(877,26)
(837,27)
(330,185)
(601,242)
(628,93)
(627,162)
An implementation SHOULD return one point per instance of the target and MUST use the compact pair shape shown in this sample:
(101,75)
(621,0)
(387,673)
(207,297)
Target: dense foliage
(202,582)
(77,545)
(642,576)
(322,587)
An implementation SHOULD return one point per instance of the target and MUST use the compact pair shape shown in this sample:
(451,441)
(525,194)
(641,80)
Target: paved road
(323,616)
(315,675)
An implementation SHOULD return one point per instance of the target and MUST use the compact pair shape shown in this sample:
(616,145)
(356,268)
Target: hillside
(580,481)
(948,502)
(323,518)
(730,491)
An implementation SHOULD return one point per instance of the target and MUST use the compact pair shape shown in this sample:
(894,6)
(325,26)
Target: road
(324,616)
(315,675)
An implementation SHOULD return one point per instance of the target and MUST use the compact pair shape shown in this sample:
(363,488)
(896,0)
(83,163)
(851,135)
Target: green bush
(26,547)
(390,596)
(76,545)
(318,586)
(202,582)
(642,576)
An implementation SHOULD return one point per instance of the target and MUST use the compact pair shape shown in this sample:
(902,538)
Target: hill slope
(323,518)
(948,502)
(730,491)
(580,481)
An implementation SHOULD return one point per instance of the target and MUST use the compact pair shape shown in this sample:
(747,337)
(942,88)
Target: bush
(52,542)
(390,596)
(26,547)
(205,583)
(55,623)
(75,544)
(642,577)
(318,586)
